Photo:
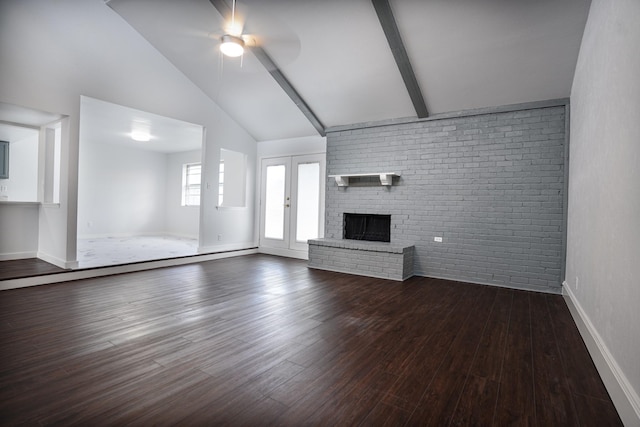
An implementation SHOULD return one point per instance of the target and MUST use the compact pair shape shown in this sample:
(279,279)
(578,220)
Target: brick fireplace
(365,249)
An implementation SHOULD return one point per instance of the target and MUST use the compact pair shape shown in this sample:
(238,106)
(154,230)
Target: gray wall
(491,185)
(603,234)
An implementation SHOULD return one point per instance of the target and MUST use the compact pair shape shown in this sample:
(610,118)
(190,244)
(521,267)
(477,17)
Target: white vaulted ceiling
(465,54)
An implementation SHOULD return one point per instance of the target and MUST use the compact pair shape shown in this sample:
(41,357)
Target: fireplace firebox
(375,228)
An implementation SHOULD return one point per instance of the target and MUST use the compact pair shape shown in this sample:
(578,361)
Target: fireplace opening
(375,228)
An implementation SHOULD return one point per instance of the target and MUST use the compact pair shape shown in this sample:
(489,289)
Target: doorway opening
(131,185)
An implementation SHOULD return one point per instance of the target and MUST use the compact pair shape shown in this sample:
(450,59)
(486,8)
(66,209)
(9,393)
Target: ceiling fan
(232,43)
(233,40)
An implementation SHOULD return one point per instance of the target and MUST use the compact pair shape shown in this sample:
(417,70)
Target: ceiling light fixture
(140,135)
(232,46)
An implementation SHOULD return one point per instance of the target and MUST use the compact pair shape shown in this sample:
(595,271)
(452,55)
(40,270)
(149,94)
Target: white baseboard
(17,255)
(116,269)
(289,253)
(623,395)
(57,261)
(225,248)
(133,235)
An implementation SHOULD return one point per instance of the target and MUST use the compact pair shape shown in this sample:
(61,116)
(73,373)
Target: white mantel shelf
(386,178)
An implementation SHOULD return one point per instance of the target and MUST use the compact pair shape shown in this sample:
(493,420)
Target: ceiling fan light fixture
(140,135)
(232,46)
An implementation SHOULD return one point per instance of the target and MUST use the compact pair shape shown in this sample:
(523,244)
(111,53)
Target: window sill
(231,208)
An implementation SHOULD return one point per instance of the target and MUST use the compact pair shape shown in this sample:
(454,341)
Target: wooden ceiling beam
(390,28)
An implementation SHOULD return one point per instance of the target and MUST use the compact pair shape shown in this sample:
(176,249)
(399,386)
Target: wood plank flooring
(13,269)
(261,340)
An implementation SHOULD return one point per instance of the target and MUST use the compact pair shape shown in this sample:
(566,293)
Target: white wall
(18,230)
(181,221)
(22,185)
(603,236)
(121,191)
(292,146)
(54,52)
(235,178)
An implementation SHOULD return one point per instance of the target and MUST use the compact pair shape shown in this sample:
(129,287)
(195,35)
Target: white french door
(291,203)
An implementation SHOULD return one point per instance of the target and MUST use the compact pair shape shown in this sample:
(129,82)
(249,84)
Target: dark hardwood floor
(13,269)
(260,340)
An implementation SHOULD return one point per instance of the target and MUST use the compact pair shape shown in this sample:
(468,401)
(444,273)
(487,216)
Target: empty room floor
(261,340)
(100,252)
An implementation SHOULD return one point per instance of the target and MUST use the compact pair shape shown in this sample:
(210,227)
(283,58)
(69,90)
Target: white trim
(116,269)
(624,397)
(134,235)
(204,250)
(14,203)
(57,261)
(17,255)
(289,253)
(232,208)
(293,154)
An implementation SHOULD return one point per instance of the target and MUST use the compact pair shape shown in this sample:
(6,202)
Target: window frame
(191,190)
(221,183)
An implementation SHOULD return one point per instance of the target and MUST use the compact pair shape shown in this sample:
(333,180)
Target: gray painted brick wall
(375,259)
(490,185)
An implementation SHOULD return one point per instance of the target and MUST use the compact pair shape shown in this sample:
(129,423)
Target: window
(221,183)
(4,159)
(191,184)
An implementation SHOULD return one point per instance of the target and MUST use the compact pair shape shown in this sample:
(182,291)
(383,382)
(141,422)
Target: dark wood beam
(267,62)
(277,75)
(390,28)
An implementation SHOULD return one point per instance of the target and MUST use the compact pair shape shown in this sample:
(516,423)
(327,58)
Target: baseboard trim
(227,247)
(624,397)
(117,269)
(288,253)
(18,255)
(57,261)
(134,235)
(548,290)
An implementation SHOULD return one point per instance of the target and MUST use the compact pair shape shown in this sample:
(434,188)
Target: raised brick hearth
(375,259)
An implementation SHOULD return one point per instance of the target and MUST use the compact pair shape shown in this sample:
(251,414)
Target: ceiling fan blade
(262,29)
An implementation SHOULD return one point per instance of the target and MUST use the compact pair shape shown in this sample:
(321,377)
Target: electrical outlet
(437,239)
(219,237)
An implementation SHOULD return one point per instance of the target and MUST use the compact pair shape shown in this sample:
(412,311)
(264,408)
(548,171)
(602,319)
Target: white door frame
(288,246)
(264,241)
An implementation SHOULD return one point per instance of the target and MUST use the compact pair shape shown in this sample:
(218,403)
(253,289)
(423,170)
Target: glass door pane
(291,203)
(308,214)
(275,202)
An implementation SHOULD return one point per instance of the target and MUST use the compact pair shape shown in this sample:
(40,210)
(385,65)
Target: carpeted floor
(98,252)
